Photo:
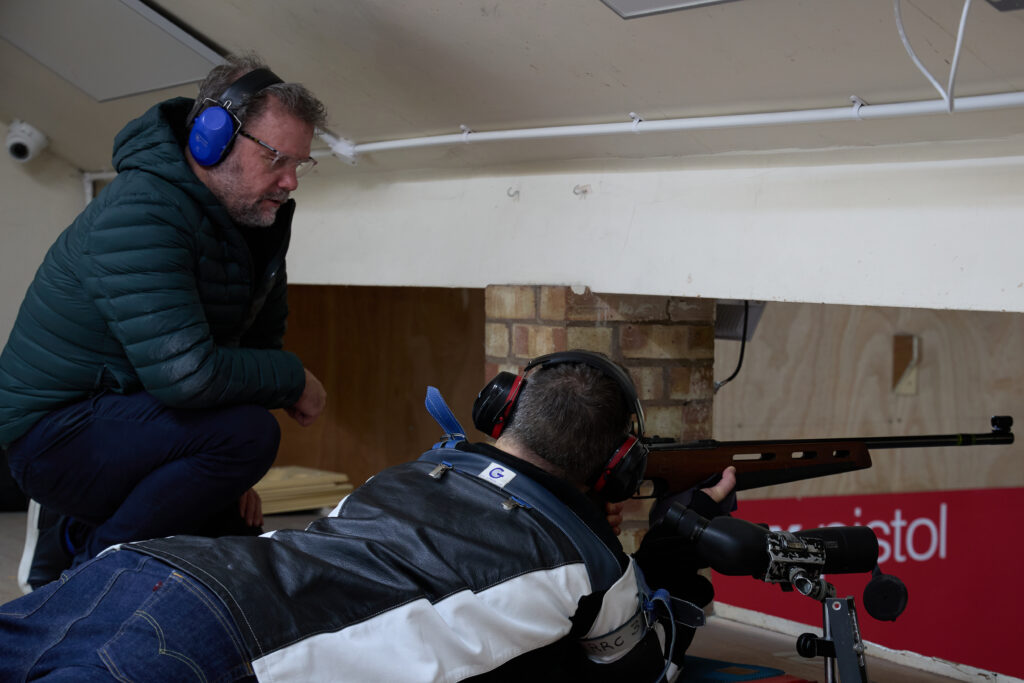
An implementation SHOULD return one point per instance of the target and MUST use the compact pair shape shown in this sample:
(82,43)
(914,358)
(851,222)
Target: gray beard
(228,191)
(248,216)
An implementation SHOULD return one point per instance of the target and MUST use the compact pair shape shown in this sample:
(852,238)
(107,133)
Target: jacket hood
(155,141)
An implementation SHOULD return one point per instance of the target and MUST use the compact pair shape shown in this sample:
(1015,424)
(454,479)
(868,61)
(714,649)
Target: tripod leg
(842,629)
(830,661)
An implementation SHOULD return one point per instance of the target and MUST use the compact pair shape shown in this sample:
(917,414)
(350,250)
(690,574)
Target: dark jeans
(126,617)
(135,469)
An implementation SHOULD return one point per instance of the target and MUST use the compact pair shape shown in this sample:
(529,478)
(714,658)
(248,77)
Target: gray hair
(297,100)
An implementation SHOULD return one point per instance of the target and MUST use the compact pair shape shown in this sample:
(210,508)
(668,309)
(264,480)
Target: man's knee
(261,432)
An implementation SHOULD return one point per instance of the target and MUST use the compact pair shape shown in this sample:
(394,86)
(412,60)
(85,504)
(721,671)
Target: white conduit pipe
(89,179)
(947,93)
(859,111)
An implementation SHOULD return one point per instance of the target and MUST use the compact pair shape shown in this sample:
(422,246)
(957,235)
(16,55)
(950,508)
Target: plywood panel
(376,349)
(289,488)
(817,370)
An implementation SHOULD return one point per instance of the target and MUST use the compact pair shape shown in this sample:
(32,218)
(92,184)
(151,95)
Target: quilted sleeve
(139,266)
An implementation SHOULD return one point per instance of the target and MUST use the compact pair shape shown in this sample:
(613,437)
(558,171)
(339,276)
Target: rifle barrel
(1000,434)
(993,438)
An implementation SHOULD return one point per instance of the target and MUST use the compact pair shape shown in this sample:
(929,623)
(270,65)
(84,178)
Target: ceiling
(390,69)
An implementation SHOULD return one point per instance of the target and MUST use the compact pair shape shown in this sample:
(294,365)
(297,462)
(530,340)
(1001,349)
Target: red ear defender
(494,403)
(623,472)
(506,410)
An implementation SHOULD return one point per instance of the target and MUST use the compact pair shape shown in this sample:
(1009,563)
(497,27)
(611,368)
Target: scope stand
(841,644)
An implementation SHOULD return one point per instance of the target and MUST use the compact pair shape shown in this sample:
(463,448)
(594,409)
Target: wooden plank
(292,488)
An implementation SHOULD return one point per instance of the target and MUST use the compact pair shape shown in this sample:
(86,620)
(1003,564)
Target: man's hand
(309,406)
(724,487)
(251,508)
(613,512)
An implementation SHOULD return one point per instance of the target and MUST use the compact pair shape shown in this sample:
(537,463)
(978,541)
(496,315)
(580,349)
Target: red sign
(960,553)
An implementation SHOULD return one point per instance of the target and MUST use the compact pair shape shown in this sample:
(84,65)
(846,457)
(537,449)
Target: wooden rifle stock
(675,467)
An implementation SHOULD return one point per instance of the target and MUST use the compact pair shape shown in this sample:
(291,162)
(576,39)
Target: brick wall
(666,343)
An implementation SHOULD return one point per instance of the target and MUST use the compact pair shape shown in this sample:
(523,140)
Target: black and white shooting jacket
(465,563)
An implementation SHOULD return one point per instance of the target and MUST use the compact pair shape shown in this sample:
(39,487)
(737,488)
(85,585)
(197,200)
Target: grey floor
(12,539)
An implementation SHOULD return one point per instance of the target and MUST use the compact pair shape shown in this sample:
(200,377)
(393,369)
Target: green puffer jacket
(152,288)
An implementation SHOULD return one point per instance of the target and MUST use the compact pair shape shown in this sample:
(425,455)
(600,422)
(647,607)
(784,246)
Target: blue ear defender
(212,132)
(215,128)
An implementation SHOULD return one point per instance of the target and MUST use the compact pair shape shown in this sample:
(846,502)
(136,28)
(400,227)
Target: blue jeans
(134,468)
(124,616)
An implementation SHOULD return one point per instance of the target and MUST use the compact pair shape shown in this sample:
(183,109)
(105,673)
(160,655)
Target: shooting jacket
(433,573)
(154,288)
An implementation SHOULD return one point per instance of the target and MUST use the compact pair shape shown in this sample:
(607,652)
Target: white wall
(38,199)
(928,226)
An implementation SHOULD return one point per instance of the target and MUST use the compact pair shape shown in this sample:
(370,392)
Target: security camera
(24,142)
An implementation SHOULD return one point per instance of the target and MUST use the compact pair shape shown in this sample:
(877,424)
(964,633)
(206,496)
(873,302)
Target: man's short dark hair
(573,416)
(297,100)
